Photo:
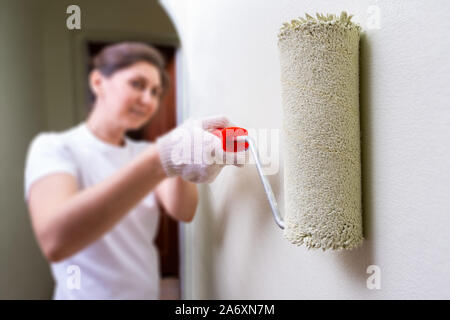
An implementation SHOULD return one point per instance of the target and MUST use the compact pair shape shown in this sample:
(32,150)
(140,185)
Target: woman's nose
(147,97)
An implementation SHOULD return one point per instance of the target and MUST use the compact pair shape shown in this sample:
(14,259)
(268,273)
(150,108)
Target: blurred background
(43,74)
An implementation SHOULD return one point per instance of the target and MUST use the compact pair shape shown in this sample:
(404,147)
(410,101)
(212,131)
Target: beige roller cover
(321,132)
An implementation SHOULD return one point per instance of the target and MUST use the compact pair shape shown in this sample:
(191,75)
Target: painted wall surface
(233,247)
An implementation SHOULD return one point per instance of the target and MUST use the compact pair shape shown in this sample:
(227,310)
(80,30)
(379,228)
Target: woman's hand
(192,152)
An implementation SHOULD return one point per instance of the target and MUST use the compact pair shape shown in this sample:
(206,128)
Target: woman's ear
(96,83)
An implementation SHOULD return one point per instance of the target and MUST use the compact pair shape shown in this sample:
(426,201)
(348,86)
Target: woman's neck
(103,130)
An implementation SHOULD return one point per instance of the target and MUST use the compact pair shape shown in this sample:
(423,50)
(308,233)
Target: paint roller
(319,59)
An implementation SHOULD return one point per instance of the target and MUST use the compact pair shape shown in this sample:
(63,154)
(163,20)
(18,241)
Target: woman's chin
(136,124)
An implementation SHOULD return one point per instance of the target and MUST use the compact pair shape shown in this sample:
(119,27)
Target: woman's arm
(178,197)
(66,220)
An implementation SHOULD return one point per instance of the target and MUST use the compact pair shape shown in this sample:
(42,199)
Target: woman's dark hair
(122,55)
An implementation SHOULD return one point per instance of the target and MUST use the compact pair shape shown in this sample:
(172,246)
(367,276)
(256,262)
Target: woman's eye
(156,92)
(137,84)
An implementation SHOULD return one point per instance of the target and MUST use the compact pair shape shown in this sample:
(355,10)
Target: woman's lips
(138,112)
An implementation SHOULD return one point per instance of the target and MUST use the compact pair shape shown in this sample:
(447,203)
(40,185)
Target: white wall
(234,249)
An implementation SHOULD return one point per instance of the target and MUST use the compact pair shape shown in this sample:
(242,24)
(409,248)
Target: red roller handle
(228,136)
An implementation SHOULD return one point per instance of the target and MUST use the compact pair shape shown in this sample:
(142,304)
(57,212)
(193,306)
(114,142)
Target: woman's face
(132,95)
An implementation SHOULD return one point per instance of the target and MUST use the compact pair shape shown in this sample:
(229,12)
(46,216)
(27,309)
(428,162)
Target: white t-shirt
(123,264)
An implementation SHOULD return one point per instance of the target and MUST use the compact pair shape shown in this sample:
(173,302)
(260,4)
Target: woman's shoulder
(48,153)
(53,139)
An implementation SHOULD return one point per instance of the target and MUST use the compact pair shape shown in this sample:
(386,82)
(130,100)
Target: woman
(92,192)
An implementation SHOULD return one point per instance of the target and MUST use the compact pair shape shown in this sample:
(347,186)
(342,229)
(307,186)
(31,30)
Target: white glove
(194,153)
